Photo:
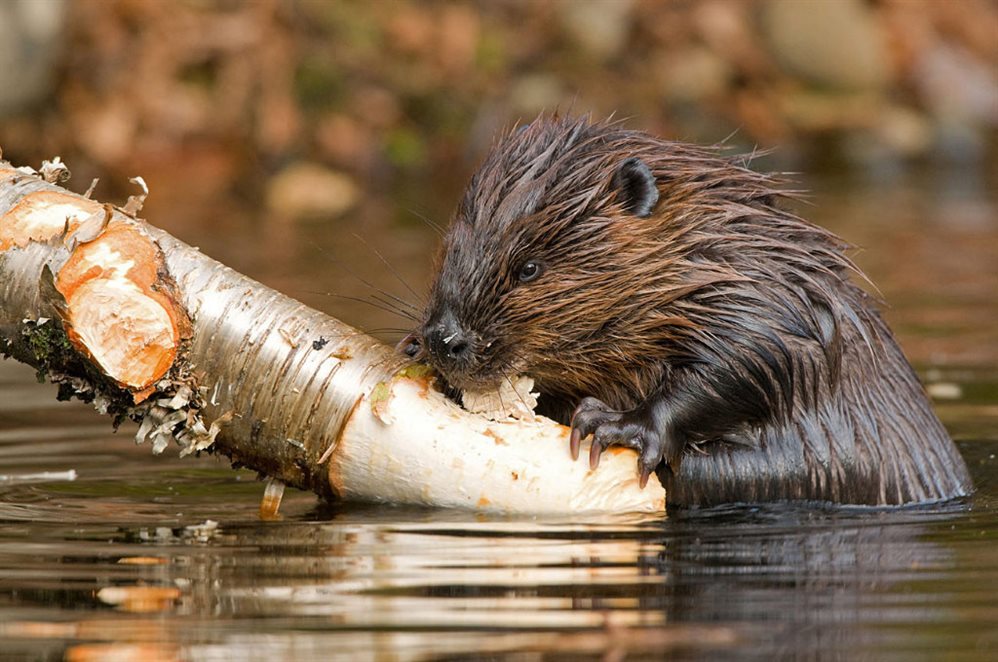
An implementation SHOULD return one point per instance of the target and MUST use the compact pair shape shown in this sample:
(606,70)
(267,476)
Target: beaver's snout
(450,345)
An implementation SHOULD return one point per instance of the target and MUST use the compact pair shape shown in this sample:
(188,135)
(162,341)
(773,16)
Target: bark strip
(148,328)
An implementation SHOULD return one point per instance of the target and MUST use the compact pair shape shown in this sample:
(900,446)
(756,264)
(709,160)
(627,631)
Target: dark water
(160,558)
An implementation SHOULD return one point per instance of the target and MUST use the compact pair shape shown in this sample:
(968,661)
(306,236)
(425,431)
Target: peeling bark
(122,314)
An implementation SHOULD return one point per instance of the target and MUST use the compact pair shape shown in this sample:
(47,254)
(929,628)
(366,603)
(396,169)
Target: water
(161,558)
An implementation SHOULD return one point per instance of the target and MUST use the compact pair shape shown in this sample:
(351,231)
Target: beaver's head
(538,268)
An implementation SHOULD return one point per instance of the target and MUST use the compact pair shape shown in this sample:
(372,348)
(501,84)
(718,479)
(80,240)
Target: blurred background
(295,139)
(300,141)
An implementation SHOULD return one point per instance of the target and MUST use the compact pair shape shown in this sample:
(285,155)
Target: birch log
(122,314)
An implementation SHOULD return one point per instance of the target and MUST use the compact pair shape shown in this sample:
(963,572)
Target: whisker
(391,268)
(439,230)
(389,302)
(377,303)
(351,272)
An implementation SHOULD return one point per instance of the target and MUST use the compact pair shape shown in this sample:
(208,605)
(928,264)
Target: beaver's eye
(529,271)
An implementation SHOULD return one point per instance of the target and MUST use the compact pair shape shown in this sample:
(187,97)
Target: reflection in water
(496,575)
(420,583)
(831,581)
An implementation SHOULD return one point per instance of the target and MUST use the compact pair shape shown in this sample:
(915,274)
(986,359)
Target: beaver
(663,298)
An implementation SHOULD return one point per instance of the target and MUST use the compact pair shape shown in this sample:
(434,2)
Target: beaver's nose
(448,341)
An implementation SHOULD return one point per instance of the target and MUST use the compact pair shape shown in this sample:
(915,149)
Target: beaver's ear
(635,186)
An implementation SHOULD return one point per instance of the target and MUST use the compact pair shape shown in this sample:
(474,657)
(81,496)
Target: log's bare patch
(453,458)
(42,215)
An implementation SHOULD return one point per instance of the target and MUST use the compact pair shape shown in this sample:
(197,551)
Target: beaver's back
(872,440)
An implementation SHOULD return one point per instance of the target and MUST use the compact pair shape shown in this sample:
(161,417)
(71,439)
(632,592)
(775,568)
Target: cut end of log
(118,309)
(115,309)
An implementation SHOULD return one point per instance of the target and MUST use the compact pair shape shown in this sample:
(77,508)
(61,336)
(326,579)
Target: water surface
(105,549)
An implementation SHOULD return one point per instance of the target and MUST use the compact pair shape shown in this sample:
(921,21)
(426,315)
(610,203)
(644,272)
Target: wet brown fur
(720,292)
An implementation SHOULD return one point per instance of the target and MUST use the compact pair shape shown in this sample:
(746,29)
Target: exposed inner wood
(115,312)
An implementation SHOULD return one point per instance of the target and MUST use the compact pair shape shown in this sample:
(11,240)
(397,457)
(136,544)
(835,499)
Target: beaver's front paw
(638,429)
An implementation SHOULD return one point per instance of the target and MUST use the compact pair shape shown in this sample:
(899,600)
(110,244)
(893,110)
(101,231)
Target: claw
(574,442)
(594,455)
(643,475)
